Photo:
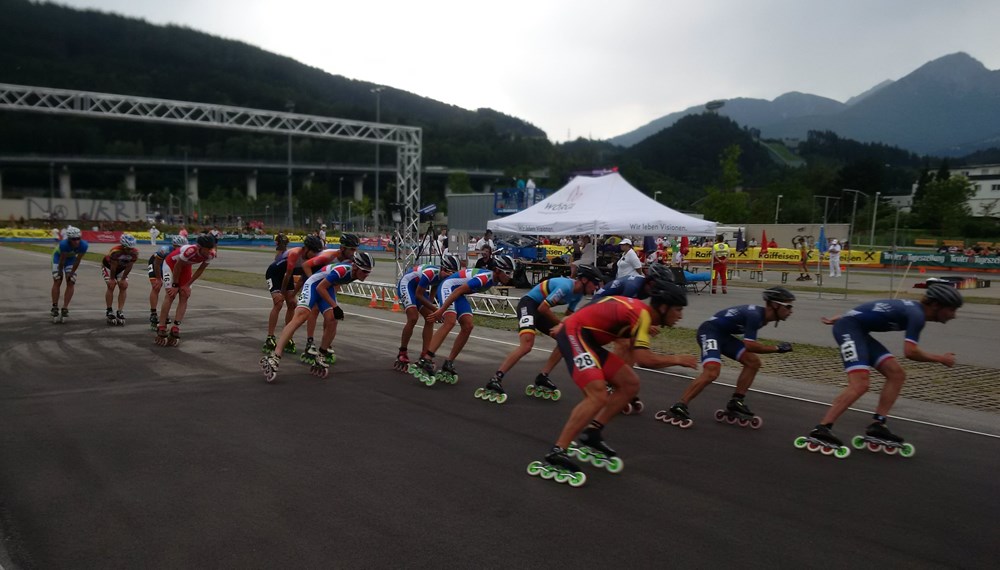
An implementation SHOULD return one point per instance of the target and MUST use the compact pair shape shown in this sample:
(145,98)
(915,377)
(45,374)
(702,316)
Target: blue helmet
(127,240)
(179,241)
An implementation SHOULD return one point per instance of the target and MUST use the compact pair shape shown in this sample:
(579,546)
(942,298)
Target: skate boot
(110,317)
(310,353)
(54,313)
(634,407)
(270,343)
(878,438)
(592,449)
(290,347)
(557,465)
(822,439)
(677,415)
(161,335)
(737,412)
(543,388)
(153,320)
(423,370)
(175,336)
(492,392)
(64,315)
(269,364)
(402,362)
(120,319)
(447,374)
(330,356)
(320,368)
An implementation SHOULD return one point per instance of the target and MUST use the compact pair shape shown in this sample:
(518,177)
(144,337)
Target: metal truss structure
(407,140)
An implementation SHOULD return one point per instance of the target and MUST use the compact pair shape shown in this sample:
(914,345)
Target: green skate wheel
(907,450)
(615,465)
(800,442)
(562,477)
(548,472)
(858,442)
(479,393)
(501,398)
(842,452)
(535,468)
(556,394)
(577,479)
(529,390)
(429,380)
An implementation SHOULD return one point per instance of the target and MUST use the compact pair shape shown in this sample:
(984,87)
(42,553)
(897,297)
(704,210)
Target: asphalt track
(116,453)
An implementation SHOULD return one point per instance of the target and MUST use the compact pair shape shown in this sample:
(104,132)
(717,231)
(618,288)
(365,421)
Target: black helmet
(349,240)
(206,240)
(505,263)
(364,260)
(281,238)
(590,273)
(779,294)
(665,291)
(660,272)
(944,295)
(449,263)
(313,243)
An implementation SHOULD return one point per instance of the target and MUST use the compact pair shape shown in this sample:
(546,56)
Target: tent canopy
(600,206)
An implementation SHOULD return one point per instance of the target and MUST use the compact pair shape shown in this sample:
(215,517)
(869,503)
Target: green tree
(944,205)
(459,183)
(725,207)
(730,164)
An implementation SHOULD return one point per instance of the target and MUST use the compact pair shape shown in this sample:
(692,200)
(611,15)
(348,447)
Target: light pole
(378,118)
(349,212)
(290,105)
(267,207)
(874,217)
(777,208)
(657,193)
(340,202)
(854,211)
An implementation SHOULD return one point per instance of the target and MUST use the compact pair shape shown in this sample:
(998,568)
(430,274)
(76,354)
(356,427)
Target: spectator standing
(772,244)
(834,258)
(487,239)
(720,257)
(183,232)
(629,264)
(803,261)
(442,241)
(154,234)
(322,234)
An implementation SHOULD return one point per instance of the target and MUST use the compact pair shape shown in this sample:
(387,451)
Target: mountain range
(947,107)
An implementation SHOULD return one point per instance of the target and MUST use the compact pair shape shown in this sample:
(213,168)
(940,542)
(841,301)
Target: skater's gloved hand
(338,313)
(784,347)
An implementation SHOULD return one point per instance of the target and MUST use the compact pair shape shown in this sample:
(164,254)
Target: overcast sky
(597,69)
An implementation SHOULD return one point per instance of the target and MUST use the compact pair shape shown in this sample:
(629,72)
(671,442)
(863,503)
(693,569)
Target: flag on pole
(822,239)
(763,243)
(685,245)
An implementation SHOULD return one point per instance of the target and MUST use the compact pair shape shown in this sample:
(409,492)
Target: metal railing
(482,304)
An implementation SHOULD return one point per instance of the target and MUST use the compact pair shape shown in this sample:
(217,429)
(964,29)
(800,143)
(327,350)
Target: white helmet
(73,232)
(127,240)
(834,241)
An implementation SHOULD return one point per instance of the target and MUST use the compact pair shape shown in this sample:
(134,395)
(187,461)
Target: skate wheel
(548,473)
(842,452)
(731,420)
(799,443)
(684,424)
(720,415)
(615,465)
(813,446)
(858,442)
(501,398)
(534,468)
(577,479)
(891,450)
(876,447)
(429,380)
(826,450)
(478,393)
(743,422)
(907,450)
(638,405)
(555,395)
(269,377)
(562,477)
(756,422)
(661,415)
(529,390)
(627,410)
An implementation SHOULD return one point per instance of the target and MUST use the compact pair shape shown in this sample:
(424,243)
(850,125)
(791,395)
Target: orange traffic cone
(374,302)
(395,304)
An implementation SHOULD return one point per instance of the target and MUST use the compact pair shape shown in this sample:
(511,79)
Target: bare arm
(914,352)
(649,359)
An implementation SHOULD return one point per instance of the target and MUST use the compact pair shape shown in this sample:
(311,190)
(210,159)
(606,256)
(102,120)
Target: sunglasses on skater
(789,306)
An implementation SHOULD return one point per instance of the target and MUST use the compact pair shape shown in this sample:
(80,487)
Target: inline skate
(737,412)
(290,347)
(402,362)
(270,344)
(319,367)
(878,438)
(543,388)
(592,449)
(310,353)
(447,374)
(64,315)
(493,392)
(161,335)
(153,320)
(269,364)
(677,415)
(558,466)
(634,407)
(821,439)
(423,370)
(174,338)
(110,317)
(330,356)
(120,318)
(54,313)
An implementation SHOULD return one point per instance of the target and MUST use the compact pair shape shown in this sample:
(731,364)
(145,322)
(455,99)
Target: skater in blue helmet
(66,258)
(115,267)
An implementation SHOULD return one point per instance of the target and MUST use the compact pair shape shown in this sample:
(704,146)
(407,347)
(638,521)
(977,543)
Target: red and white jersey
(190,254)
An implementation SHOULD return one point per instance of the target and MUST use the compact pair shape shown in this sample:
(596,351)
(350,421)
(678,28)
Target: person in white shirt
(629,264)
(487,239)
(153,235)
(322,234)
(834,258)
(442,242)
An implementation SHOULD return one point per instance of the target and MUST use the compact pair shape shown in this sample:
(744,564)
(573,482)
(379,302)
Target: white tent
(600,206)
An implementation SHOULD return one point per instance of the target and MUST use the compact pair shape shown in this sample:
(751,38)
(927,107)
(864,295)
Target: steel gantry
(407,140)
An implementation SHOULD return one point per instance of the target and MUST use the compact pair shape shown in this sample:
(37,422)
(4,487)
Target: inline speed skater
(581,339)
(535,315)
(454,307)
(280,280)
(860,352)
(177,280)
(155,272)
(717,338)
(319,296)
(348,246)
(66,258)
(415,291)
(115,267)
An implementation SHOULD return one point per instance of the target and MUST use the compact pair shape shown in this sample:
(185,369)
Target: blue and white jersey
(741,319)
(631,286)
(890,315)
(163,251)
(71,252)
(556,291)
(425,276)
(335,273)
